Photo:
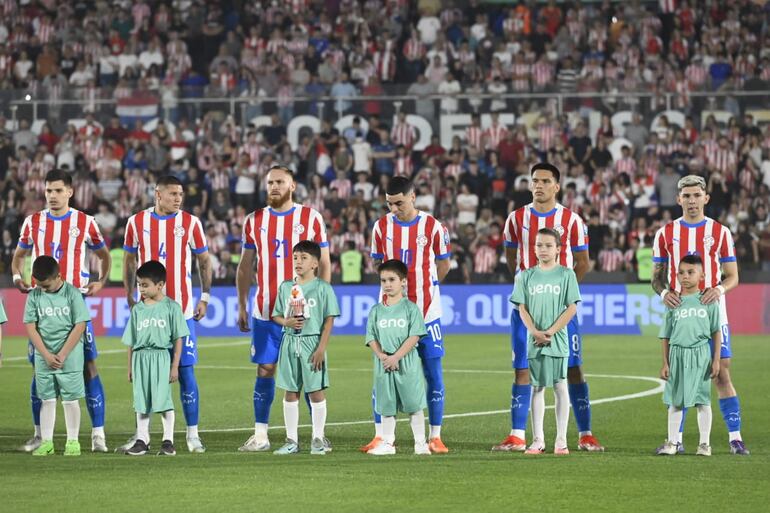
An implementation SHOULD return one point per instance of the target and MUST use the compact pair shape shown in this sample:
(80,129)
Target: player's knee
(266,370)
(575,375)
(90,371)
(522,376)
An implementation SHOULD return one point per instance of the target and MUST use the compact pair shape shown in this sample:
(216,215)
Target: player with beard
(269,234)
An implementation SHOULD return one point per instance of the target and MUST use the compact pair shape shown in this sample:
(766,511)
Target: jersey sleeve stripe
(378,256)
(444,256)
(659,260)
(728,259)
(249,246)
(323,244)
(23,245)
(198,251)
(584,247)
(511,244)
(94,247)
(129,249)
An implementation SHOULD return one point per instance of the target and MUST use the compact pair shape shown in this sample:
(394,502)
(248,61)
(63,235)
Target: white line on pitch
(626,397)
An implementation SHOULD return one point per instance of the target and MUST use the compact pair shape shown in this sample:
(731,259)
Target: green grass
(470,478)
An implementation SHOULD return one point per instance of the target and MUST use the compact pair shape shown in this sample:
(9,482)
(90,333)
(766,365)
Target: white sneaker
(98,444)
(668,448)
(254,444)
(123,449)
(383,449)
(703,450)
(422,449)
(195,444)
(31,444)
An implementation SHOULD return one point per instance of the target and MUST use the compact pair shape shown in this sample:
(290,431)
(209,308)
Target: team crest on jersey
(299,229)
(422,241)
(559,230)
(446,237)
(74,232)
(708,242)
(179,231)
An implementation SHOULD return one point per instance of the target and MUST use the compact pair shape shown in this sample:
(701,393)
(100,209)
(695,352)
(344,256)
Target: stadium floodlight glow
(28,97)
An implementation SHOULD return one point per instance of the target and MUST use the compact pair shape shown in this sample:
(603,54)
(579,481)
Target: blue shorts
(519,342)
(265,341)
(432,344)
(89,346)
(727,343)
(189,346)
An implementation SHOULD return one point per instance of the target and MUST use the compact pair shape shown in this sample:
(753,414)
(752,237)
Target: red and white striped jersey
(484,260)
(418,243)
(403,134)
(611,260)
(696,75)
(494,135)
(272,235)
(403,166)
(626,165)
(64,238)
(170,240)
(707,238)
(547,134)
(474,136)
(521,230)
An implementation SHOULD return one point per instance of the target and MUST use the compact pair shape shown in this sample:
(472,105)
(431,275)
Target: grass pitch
(628,417)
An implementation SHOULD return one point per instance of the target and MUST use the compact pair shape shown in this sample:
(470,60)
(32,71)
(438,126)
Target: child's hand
(294,322)
(52,360)
(173,376)
(541,338)
(390,363)
(714,368)
(665,372)
(317,359)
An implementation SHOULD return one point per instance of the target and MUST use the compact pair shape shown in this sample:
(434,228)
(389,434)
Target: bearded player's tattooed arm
(660,277)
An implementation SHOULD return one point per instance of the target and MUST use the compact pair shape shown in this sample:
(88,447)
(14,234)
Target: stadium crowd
(301,50)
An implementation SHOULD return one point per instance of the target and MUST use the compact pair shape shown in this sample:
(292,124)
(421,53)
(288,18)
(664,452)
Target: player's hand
(22,285)
(665,372)
(711,295)
(672,299)
(243,320)
(714,368)
(93,288)
(173,376)
(131,301)
(317,360)
(200,310)
(390,363)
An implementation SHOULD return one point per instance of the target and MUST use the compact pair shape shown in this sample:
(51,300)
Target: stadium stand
(623,97)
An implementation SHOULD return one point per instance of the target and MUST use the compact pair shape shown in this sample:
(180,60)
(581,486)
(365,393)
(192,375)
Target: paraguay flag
(143,108)
(324,162)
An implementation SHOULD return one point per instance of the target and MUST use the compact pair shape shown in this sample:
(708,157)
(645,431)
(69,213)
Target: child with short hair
(55,317)
(394,327)
(306,308)
(547,297)
(689,361)
(154,336)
